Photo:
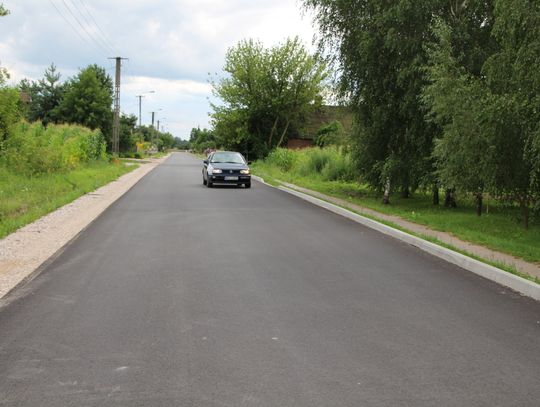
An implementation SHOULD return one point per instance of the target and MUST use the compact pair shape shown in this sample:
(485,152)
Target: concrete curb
(499,276)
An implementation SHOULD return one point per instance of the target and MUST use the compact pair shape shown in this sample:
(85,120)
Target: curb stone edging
(516,283)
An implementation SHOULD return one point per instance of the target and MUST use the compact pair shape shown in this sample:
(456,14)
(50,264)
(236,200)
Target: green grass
(23,199)
(499,229)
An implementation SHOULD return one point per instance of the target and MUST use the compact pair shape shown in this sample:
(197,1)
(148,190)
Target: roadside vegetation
(43,168)
(45,164)
(331,171)
(86,99)
(24,199)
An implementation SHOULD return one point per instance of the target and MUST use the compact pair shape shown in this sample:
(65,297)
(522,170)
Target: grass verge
(23,199)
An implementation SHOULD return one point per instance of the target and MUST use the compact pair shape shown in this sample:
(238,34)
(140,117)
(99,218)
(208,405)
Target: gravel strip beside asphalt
(22,252)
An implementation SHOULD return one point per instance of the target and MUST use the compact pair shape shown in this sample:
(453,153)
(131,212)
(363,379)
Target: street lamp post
(140,99)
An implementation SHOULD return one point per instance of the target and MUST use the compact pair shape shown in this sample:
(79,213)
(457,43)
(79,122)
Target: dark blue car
(226,167)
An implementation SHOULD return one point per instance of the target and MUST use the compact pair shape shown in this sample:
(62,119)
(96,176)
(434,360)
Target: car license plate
(231,178)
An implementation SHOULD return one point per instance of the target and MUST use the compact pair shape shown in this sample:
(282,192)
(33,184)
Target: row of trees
(85,99)
(445,92)
(266,95)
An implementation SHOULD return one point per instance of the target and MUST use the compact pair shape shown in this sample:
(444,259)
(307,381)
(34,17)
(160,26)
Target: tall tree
(45,97)
(88,100)
(267,94)
(128,125)
(491,120)
(378,47)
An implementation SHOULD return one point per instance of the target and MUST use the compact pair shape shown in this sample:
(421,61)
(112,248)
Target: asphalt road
(179,295)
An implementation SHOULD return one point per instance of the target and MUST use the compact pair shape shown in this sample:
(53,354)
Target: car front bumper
(230,179)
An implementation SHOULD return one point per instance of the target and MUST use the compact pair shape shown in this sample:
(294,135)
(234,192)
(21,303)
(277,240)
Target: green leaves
(490,116)
(88,100)
(267,94)
(377,48)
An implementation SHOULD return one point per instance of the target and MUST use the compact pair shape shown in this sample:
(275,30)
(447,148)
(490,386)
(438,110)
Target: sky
(172,45)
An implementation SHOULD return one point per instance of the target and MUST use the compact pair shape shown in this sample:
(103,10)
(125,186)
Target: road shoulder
(24,251)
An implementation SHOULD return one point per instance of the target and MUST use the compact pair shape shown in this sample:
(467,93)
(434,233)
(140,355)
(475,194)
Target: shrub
(282,158)
(34,149)
(339,168)
(313,160)
(329,163)
(9,111)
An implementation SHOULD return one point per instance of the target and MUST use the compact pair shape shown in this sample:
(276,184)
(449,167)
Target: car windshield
(226,157)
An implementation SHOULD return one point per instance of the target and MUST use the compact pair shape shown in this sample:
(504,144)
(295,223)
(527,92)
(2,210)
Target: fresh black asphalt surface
(180,295)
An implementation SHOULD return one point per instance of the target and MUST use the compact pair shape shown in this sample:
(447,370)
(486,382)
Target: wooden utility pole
(116,119)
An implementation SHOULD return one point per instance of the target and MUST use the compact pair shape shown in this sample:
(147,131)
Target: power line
(100,30)
(92,29)
(82,26)
(74,28)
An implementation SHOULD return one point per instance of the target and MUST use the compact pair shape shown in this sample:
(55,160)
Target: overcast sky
(172,45)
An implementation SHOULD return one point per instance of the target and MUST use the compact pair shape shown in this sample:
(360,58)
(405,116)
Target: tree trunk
(386,196)
(436,194)
(478,202)
(272,133)
(283,134)
(449,198)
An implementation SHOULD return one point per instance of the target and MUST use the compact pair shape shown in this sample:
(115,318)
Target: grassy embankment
(329,172)
(43,169)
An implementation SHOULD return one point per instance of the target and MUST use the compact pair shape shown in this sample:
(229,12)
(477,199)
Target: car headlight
(216,171)
(245,172)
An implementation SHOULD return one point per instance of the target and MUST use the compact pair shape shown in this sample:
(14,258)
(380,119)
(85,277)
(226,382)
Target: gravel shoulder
(22,252)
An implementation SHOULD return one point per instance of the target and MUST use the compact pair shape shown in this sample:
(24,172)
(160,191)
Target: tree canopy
(45,96)
(88,100)
(490,118)
(266,94)
(445,92)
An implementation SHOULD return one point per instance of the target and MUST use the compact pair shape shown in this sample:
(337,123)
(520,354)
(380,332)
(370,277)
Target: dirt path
(447,238)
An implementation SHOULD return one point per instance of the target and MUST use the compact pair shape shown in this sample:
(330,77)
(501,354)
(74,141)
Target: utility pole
(154,116)
(140,99)
(158,125)
(116,119)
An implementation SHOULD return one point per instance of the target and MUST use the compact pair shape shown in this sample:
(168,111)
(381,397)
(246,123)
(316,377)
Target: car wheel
(203,181)
(248,185)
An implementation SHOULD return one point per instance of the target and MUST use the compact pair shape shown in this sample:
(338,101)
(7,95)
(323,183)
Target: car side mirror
(205,161)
